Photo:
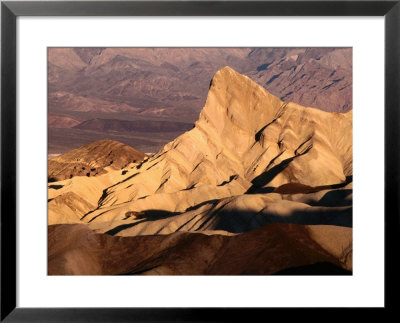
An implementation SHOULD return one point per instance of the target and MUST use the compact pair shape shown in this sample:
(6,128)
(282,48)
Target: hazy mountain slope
(65,101)
(66,139)
(314,77)
(61,121)
(166,78)
(144,126)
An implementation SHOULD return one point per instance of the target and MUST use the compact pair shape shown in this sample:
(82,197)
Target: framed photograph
(197,160)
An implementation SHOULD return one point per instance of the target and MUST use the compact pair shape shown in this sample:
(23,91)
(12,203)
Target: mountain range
(171,84)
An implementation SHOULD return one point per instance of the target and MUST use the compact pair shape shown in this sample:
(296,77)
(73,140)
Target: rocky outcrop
(92,159)
(245,141)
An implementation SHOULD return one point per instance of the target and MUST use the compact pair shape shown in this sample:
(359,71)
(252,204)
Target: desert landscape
(200,161)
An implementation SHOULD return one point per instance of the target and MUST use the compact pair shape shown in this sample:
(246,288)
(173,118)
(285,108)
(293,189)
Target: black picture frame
(10,10)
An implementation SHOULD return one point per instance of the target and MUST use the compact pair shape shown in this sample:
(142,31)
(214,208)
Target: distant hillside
(135,125)
(121,79)
(60,121)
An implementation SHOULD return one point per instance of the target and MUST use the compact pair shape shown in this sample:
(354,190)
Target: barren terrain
(258,185)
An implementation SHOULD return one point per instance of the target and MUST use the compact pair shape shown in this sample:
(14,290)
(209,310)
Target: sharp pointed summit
(245,141)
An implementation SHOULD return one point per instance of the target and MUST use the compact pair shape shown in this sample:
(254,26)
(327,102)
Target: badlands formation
(258,186)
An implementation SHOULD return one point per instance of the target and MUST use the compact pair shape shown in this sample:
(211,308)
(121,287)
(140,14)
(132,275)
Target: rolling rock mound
(76,250)
(258,186)
(91,160)
(240,213)
(245,141)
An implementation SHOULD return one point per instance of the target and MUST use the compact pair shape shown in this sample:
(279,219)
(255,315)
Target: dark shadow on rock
(273,78)
(146,216)
(56,187)
(231,178)
(335,198)
(124,180)
(268,176)
(265,190)
(318,269)
(257,136)
(194,207)
(121,227)
(138,272)
(336,216)
(152,215)
(296,188)
(239,221)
